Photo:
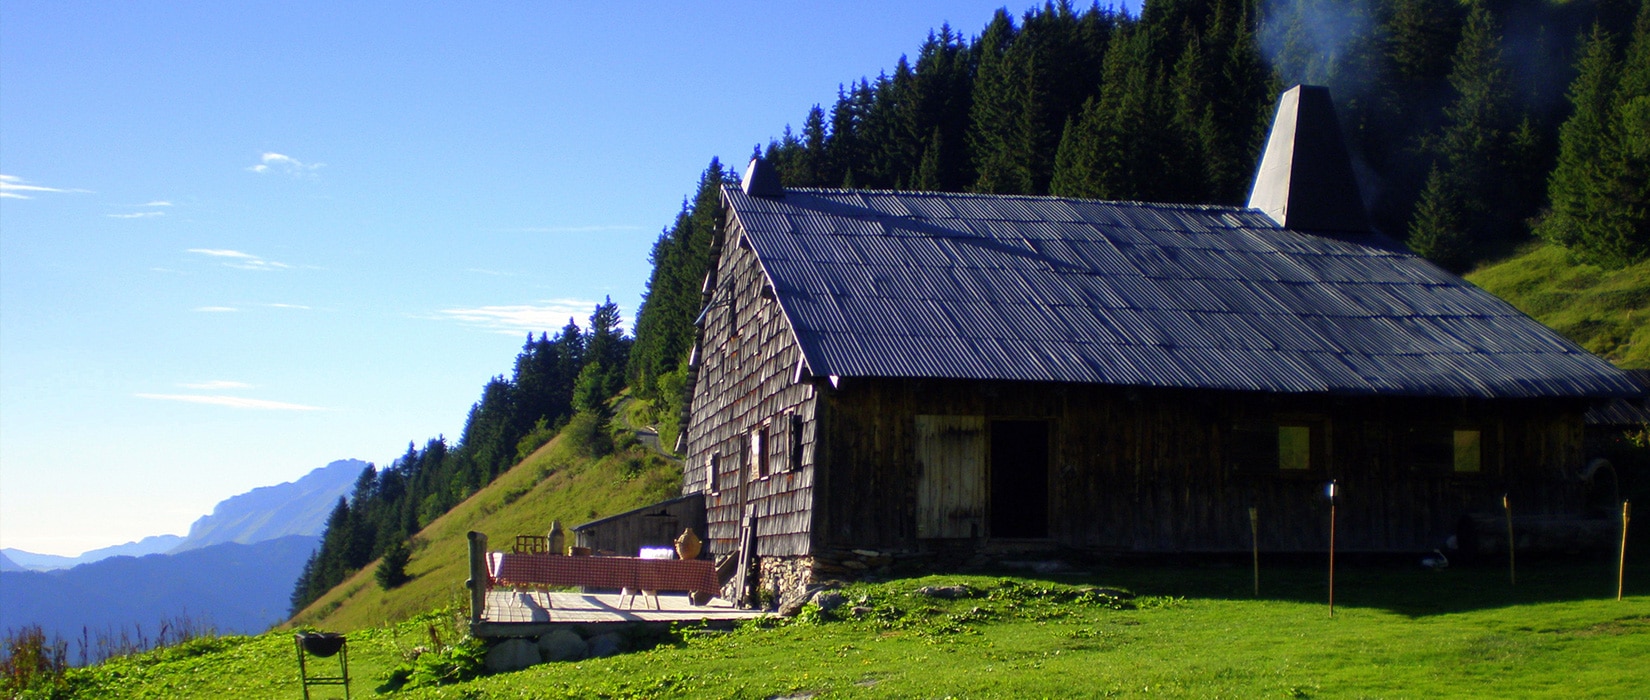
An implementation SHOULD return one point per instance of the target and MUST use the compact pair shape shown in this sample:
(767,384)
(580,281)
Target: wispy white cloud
(494,273)
(574,229)
(221,253)
(137,215)
(231,402)
(158,203)
(13,187)
(282,163)
(288,306)
(217,384)
(217,309)
(546,316)
(239,260)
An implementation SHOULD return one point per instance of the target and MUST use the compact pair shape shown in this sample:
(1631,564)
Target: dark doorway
(1019,478)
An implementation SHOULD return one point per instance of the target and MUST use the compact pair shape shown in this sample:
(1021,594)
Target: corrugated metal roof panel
(1050,289)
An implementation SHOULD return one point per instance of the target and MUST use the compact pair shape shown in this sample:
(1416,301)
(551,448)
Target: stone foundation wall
(780,577)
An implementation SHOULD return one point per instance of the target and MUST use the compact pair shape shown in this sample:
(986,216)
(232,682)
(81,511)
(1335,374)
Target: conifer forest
(1475,126)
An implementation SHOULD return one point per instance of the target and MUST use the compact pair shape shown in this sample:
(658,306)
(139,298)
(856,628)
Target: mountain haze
(268,512)
(156,544)
(234,587)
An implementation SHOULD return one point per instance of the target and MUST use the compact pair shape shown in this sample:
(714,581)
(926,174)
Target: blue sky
(241,240)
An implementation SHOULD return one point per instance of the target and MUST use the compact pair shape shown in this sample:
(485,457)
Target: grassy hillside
(557,482)
(1192,632)
(1605,311)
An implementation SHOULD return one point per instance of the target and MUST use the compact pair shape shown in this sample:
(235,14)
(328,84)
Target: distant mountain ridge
(264,513)
(157,544)
(268,512)
(236,588)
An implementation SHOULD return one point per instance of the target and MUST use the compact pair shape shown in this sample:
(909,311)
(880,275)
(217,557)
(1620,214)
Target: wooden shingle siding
(1150,470)
(744,384)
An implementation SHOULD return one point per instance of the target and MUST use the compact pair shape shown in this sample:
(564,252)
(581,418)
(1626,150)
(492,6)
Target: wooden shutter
(951,481)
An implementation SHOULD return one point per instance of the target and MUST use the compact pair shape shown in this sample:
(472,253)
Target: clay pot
(688,545)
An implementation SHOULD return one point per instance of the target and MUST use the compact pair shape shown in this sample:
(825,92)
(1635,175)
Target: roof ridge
(991,195)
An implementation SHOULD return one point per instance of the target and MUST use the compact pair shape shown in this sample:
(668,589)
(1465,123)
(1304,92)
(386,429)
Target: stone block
(563,645)
(511,655)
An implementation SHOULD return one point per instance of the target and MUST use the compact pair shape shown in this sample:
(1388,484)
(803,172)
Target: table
(513,570)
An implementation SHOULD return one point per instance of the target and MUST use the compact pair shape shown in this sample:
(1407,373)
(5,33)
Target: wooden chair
(531,544)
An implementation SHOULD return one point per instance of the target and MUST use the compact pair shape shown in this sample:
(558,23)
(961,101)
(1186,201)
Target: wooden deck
(512,613)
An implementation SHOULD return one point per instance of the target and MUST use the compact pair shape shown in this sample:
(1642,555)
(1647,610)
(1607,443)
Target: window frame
(1241,457)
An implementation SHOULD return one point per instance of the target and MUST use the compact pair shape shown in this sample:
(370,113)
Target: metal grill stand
(322,645)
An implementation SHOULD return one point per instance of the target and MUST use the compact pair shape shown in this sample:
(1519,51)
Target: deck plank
(539,607)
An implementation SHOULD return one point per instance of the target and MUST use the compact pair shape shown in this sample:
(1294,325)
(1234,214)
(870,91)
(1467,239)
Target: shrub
(33,665)
(587,431)
(392,567)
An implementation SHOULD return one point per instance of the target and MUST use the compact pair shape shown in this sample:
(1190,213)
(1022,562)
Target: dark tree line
(1463,131)
(554,379)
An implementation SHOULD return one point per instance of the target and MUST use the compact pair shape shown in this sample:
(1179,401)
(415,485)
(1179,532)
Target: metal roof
(972,286)
(1624,411)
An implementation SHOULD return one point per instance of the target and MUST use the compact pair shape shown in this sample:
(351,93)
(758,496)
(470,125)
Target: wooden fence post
(1512,557)
(478,577)
(1621,564)
(1254,541)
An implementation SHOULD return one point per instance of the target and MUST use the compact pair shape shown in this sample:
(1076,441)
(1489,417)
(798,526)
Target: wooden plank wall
(657,525)
(747,360)
(1148,470)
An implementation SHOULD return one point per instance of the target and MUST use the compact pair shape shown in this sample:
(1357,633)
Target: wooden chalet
(908,372)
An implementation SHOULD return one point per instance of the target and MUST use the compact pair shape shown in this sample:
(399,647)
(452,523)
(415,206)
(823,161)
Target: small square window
(1469,451)
(759,452)
(1294,447)
(794,460)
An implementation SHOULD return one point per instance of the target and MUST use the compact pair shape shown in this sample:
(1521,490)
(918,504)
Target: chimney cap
(761,180)
(1305,180)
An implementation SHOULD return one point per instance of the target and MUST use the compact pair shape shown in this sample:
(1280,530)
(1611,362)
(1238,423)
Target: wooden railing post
(478,577)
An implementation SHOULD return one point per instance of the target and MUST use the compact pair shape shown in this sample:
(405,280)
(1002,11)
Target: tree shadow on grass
(1393,585)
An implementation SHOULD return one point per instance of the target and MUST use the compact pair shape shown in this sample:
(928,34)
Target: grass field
(554,483)
(1605,311)
(1192,632)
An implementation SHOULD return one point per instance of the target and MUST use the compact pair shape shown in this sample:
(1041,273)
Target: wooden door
(951,476)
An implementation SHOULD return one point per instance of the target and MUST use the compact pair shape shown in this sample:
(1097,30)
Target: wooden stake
(1254,540)
(1621,566)
(1512,563)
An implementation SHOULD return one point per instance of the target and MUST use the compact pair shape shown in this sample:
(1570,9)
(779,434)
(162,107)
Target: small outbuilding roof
(1623,412)
(999,287)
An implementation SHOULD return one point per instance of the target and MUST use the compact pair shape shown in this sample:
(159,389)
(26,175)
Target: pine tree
(392,567)
(1438,230)
(1473,150)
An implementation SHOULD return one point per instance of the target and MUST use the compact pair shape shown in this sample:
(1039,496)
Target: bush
(392,567)
(588,433)
(534,439)
(33,665)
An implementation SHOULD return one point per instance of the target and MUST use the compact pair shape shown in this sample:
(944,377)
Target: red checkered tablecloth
(535,570)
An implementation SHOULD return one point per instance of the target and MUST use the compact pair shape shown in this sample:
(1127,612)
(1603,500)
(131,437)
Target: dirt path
(645,434)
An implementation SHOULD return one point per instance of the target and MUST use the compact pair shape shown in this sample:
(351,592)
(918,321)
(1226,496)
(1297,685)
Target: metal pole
(1621,565)
(1512,562)
(1332,557)
(1254,540)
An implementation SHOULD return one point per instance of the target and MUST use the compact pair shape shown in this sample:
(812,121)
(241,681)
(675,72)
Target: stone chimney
(1305,181)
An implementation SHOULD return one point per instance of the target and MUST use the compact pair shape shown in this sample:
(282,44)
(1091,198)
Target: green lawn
(1193,632)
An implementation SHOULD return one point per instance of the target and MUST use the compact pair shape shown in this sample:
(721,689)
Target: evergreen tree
(1472,152)
(1438,231)
(1600,189)
(392,567)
